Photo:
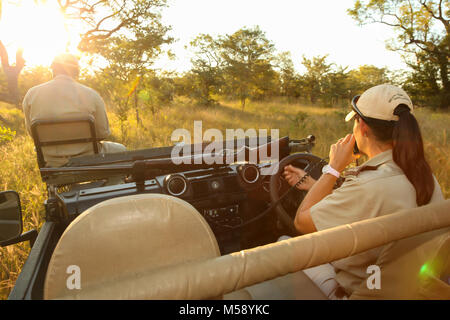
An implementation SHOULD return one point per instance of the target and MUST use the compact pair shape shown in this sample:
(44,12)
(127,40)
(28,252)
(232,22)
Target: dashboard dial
(176,185)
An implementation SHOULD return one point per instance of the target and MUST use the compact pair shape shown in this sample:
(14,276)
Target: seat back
(58,140)
(123,237)
(414,268)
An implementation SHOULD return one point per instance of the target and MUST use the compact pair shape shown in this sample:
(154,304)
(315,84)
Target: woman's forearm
(320,189)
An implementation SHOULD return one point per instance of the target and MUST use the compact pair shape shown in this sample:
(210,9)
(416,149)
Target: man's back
(64,98)
(60,99)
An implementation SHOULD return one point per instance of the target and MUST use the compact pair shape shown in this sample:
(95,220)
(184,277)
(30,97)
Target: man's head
(66,64)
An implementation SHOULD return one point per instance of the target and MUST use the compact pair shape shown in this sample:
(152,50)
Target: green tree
(207,69)
(365,77)
(9,91)
(126,36)
(114,85)
(315,80)
(423,83)
(422,28)
(247,56)
(337,87)
(31,77)
(156,91)
(129,31)
(289,79)
(137,20)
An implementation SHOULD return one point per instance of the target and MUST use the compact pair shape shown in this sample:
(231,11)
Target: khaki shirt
(371,194)
(60,99)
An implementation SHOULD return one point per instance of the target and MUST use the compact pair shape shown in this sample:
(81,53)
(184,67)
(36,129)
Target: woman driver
(396,176)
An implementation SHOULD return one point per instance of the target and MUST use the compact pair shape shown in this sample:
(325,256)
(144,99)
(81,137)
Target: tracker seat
(56,141)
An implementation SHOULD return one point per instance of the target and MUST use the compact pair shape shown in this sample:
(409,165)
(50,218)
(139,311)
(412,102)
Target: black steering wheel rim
(309,160)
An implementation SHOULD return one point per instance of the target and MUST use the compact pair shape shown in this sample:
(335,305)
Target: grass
(19,171)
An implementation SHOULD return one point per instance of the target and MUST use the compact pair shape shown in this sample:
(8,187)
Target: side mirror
(10,216)
(11,220)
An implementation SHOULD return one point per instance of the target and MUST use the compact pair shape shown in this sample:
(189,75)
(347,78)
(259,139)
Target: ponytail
(408,151)
(409,155)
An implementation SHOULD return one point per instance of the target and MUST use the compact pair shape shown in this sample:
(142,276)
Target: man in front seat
(63,98)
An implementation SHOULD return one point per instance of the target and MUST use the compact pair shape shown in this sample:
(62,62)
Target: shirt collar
(371,164)
(63,77)
(379,159)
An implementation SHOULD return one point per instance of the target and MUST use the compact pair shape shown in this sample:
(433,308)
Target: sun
(37,27)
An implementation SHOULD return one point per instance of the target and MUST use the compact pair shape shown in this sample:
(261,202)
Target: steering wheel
(287,208)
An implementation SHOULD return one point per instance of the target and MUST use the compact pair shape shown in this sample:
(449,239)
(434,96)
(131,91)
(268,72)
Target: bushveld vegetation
(237,80)
(19,171)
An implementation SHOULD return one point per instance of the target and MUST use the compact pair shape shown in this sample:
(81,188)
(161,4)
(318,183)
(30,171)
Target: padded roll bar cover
(123,237)
(216,276)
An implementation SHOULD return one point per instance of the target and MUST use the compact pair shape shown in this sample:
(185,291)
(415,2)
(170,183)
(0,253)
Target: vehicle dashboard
(227,197)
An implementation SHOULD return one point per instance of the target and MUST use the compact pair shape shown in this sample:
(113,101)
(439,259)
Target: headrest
(122,237)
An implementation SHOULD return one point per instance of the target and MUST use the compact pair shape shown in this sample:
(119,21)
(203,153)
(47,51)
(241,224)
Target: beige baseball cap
(379,102)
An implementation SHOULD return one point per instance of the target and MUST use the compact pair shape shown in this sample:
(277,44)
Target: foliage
(243,66)
(6,135)
(106,24)
(334,85)
(206,75)
(423,83)
(156,91)
(237,65)
(316,78)
(247,56)
(19,171)
(289,79)
(31,77)
(422,32)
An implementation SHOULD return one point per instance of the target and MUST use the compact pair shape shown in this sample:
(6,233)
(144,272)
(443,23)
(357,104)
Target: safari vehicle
(135,225)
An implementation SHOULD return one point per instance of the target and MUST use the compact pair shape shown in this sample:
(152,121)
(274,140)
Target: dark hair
(408,151)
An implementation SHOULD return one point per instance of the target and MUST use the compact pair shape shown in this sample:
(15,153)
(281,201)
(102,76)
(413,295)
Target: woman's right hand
(292,175)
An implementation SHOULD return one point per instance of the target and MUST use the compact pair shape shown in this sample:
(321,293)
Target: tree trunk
(138,119)
(11,96)
(443,68)
(243,103)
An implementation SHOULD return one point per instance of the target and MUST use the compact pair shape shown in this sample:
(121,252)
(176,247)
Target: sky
(301,27)
(38,29)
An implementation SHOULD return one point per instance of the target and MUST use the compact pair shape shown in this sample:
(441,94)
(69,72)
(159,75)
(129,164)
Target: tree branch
(440,17)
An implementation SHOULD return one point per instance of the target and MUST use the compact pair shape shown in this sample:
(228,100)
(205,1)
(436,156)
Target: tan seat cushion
(412,269)
(122,237)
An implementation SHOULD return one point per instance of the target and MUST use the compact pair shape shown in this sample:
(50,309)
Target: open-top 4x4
(199,229)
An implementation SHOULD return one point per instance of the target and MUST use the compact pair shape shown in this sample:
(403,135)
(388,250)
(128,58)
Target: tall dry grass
(19,171)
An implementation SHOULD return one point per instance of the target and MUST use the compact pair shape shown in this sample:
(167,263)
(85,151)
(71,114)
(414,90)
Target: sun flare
(39,28)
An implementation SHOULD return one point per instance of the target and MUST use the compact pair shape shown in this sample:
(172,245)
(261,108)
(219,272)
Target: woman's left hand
(293,175)
(341,153)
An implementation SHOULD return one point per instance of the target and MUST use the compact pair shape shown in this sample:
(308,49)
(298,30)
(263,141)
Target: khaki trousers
(324,276)
(111,147)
